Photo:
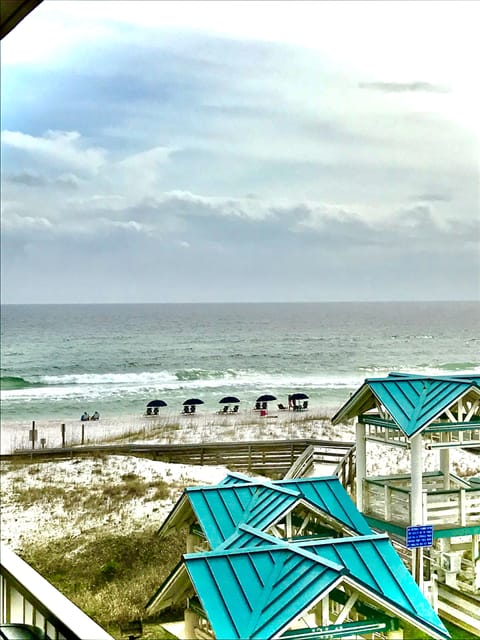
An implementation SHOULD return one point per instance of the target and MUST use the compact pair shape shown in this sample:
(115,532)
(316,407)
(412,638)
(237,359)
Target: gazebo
(289,559)
(421,414)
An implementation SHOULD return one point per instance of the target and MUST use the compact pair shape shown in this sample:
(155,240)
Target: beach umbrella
(266,398)
(299,396)
(193,401)
(157,403)
(229,400)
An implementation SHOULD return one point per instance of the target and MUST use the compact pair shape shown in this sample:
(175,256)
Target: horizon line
(213,302)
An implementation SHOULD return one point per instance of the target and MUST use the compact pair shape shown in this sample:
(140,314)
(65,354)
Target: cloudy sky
(241,151)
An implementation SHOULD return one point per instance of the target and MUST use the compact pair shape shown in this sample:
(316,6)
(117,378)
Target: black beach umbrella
(266,398)
(193,401)
(229,400)
(299,396)
(157,403)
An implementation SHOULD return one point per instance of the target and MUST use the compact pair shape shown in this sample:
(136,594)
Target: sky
(157,151)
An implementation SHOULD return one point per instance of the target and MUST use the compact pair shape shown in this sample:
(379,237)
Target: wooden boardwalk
(273,458)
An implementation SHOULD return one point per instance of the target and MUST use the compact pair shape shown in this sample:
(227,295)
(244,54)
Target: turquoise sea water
(59,360)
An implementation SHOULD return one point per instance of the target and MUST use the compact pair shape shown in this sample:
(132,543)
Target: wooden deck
(459,608)
(266,457)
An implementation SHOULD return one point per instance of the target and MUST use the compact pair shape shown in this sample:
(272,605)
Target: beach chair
(305,406)
(186,409)
(264,405)
(193,408)
(149,411)
(235,409)
(282,407)
(225,409)
(257,406)
(155,411)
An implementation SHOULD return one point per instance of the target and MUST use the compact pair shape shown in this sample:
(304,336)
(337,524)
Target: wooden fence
(266,457)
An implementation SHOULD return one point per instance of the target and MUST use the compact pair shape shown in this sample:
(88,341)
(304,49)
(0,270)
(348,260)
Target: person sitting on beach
(96,416)
(85,416)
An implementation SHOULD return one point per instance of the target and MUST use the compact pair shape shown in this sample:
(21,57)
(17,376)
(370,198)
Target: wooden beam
(472,410)
(347,608)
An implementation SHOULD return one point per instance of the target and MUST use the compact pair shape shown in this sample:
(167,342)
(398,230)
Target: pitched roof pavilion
(253,584)
(258,590)
(414,402)
(221,508)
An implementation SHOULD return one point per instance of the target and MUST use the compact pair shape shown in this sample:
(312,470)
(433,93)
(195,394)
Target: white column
(416,502)
(361,447)
(325,611)
(191,620)
(416,516)
(445,467)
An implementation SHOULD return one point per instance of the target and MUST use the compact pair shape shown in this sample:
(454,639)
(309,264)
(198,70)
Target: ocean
(58,361)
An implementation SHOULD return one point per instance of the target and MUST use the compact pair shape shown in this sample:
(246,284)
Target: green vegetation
(110,577)
(459,634)
(155,430)
(93,498)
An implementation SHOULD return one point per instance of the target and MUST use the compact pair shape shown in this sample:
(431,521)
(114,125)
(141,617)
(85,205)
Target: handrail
(49,608)
(315,454)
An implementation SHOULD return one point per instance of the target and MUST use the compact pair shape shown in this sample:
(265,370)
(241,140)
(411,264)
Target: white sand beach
(48,518)
(171,427)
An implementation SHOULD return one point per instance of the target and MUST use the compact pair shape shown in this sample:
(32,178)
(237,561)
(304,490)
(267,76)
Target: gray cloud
(66,181)
(126,179)
(27,179)
(441,196)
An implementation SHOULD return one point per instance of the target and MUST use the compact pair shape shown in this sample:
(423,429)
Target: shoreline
(172,426)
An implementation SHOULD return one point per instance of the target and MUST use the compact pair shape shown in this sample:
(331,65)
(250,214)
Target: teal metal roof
(257,590)
(328,494)
(413,401)
(373,562)
(256,593)
(235,478)
(473,378)
(221,508)
(254,585)
(370,560)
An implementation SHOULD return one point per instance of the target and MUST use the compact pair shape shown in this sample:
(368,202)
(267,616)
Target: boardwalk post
(361,463)
(33,434)
(63,436)
(83,433)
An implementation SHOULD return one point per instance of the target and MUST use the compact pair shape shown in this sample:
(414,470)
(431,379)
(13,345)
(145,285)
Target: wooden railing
(460,608)
(447,507)
(27,598)
(340,457)
(347,469)
(267,457)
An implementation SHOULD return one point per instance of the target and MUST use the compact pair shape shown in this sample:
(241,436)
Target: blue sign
(420,536)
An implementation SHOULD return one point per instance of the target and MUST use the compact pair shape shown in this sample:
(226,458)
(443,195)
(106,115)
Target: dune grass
(110,577)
